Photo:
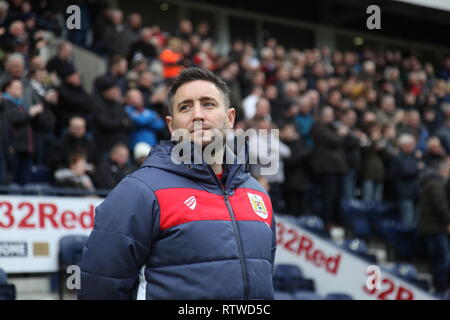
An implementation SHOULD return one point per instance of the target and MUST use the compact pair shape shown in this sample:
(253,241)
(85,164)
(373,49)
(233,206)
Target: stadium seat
(40,174)
(360,248)
(306,295)
(281,295)
(70,251)
(289,278)
(405,271)
(355,216)
(7,292)
(338,296)
(314,224)
(36,188)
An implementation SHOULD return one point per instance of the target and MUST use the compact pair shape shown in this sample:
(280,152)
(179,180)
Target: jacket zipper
(236,234)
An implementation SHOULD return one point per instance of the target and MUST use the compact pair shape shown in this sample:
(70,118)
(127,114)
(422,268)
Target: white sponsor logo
(191,202)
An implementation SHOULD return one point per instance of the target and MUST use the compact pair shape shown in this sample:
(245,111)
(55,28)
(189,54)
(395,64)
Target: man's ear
(169,121)
(231,117)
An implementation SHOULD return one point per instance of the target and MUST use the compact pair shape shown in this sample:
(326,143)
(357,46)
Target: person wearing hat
(111,124)
(73,99)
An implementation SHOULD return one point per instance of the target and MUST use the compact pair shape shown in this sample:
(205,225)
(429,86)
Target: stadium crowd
(367,124)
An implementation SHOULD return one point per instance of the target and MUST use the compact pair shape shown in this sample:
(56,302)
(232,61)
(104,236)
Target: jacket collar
(234,173)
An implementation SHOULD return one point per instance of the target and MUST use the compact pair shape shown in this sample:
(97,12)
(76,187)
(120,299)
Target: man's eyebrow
(201,99)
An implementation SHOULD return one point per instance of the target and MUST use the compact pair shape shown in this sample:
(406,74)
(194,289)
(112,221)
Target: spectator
(145,84)
(143,46)
(373,165)
(116,73)
(171,59)
(296,184)
(434,151)
(16,35)
(146,123)
(328,162)
(116,36)
(406,167)
(304,121)
(434,221)
(75,176)
(249,103)
(352,149)
(443,133)
(73,99)
(135,25)
(262,112)
(112,170)
(15,69)
(269,152)
(75,140)
(202,30)
(4,18)
(62,60)
(44,123)
(184,30)
(20,119)
(416,128)
(110,121)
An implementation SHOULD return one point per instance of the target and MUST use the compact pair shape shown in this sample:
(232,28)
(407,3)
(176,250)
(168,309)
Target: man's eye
(209,104)
(184,108)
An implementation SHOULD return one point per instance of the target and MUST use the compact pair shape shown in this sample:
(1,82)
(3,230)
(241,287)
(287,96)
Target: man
(75,140)
(184,231)
(110,121)
(434,220)
(62,60)
(146,122)
(328,162)
(74,101)
(112,170)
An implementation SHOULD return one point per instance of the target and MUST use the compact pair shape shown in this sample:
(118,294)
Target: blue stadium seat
(306,295)
(289,278)
(14,188)
(314,224)
(36,188)
(405,271)
(7,292)
(355,216)
(360,248)
(281,295)
(40,174)
(338,296)
(70,251)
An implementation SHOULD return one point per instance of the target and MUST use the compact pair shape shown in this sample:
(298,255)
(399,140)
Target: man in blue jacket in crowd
(186,230)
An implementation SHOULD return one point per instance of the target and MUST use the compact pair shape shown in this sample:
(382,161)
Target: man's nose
(198,112)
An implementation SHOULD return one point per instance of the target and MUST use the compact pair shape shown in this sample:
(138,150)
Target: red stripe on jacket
(182,205)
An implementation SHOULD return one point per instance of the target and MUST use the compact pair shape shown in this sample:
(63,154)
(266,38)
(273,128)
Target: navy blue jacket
(171,231)
(406,172)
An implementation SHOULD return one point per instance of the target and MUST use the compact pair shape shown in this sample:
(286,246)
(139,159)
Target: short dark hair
(192,74)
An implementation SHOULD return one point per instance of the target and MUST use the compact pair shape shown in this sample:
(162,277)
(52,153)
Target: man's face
(201,103)
(120,156)
(77,127)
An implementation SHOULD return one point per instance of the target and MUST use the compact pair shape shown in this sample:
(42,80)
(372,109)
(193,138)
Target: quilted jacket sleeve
(119,245)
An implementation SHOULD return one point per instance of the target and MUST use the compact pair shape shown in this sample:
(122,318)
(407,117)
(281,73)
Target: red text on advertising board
(27,215)
(304,246)
(390,291)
